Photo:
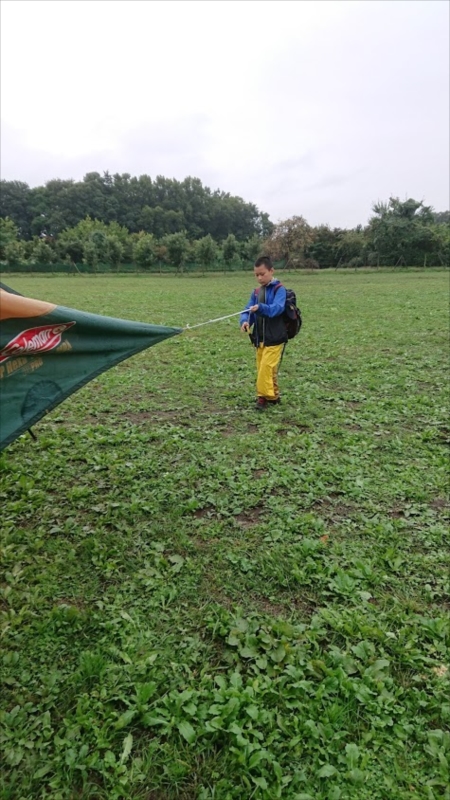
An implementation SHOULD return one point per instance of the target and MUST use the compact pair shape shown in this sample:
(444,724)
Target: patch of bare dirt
(205,544)
(247,519)
(71,602)
(226,430)
(303,605)
(293,426)
(212,591)
(208,511)
(133,416)
(444,434)
(439,504)
(331,507)
(267,607)
(139,416)
(397,512)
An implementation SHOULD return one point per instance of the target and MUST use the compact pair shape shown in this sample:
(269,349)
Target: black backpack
(292,315)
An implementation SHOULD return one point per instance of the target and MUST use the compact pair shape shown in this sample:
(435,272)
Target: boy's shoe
(275,402)
(261,404)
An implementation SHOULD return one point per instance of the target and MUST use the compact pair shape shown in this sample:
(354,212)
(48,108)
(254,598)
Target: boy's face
(263,275)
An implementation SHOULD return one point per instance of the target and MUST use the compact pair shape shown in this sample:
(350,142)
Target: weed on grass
(203,605)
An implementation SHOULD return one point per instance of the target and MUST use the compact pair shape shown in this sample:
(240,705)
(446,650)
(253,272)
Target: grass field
(206,604)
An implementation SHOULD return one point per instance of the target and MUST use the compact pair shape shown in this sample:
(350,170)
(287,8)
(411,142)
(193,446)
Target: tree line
(399,233)
(190,225)
(92,244)
(161,206)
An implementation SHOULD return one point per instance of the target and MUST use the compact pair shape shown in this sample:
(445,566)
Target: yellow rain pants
(267,361)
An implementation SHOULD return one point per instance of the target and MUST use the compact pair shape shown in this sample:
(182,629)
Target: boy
(264,312)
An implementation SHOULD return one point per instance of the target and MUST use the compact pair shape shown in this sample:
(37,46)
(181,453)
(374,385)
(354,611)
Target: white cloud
(313,108)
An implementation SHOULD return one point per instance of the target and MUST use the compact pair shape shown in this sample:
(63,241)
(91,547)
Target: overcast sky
(313,108)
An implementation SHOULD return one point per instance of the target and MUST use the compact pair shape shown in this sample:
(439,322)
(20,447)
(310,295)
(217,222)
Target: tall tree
(14,253)
(324,247)
(401,232)
(42,253)
(9,233)
(206,251)
(114,251)
(352,248)
(90,255)
(144,251)
(441,217)
(252,248)
(289,241)
(230,250)
(15,204)
(176,245)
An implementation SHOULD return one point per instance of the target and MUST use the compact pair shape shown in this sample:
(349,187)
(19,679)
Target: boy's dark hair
(264,261)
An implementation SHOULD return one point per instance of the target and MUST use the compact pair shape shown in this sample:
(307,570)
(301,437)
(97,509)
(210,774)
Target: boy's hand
(245,327)
(253,309)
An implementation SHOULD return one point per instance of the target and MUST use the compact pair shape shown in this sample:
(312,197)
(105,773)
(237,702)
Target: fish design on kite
(48,352)
(35,340)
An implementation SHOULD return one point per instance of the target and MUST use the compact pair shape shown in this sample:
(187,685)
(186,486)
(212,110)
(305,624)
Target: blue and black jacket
(268,323)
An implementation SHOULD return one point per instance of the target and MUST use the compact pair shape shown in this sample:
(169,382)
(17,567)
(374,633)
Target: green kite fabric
(47,352)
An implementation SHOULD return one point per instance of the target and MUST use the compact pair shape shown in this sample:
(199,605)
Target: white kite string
(218,319)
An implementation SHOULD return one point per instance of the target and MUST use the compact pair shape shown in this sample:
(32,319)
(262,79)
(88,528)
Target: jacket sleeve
(276,307)
(246,316)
